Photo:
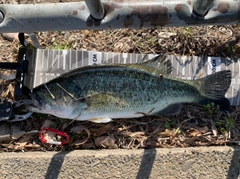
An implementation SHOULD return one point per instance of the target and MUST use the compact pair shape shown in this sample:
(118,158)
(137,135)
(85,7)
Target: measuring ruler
(45,65)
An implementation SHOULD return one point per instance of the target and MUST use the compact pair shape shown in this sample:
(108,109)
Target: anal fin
(172,109)
(101,120)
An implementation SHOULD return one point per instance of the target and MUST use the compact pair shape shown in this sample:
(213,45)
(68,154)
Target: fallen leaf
(32,146)
(10,89)
(25,138)
(89,146)
(166,35)
(194,132)
(16,132)
(203,129)
(134,134)
(103,130)
(105,142)
(78,130)
(168,132)
(16,146)
(20,146)
(6,145)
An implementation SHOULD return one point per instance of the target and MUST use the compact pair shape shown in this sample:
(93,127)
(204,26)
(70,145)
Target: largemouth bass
(100,93)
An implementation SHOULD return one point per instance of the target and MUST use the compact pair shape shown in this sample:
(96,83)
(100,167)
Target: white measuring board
(45,65)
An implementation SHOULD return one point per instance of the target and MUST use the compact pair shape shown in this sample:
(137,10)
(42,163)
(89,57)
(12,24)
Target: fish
(100,93)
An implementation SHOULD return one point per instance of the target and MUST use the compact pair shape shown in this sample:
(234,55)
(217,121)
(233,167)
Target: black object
(22,69)
(6,111)
(21,66)
(21,39)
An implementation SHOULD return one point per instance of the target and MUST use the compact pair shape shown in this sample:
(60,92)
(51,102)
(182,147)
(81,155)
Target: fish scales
(134,87)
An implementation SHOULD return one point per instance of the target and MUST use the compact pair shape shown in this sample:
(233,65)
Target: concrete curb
(199,162)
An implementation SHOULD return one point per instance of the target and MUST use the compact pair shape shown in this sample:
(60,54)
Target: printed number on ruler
(95,58)
(214,65)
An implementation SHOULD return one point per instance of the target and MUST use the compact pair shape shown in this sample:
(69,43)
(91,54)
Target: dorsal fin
(160,65)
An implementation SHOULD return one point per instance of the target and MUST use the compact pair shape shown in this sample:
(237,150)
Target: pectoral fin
(101,120)
(173,109)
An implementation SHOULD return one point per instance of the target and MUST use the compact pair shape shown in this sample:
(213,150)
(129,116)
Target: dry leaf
(25,138)
(133,134)
(203,129)
(16,146)
(79,129)
(32,146)
(103,130)
(16,132)
(20,146)
(6,145)
(89,146)
(166,35)
(79,142)
(168,132)
(105,142)
(10,89)
(194,132)
(16,136)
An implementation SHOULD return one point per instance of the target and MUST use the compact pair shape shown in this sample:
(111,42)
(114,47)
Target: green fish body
(100,93)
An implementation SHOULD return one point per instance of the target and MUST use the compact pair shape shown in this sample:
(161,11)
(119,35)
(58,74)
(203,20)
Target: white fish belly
(112,115)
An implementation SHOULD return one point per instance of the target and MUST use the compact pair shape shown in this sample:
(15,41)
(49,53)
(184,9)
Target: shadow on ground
(233,172)
(148,159)
(55,165)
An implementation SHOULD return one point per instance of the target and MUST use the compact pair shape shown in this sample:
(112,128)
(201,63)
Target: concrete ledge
(199,162)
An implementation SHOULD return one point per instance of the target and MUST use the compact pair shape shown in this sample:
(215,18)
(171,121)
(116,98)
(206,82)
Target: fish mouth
(38,102)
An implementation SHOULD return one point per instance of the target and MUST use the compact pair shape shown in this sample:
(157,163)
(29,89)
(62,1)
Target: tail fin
(214,87)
